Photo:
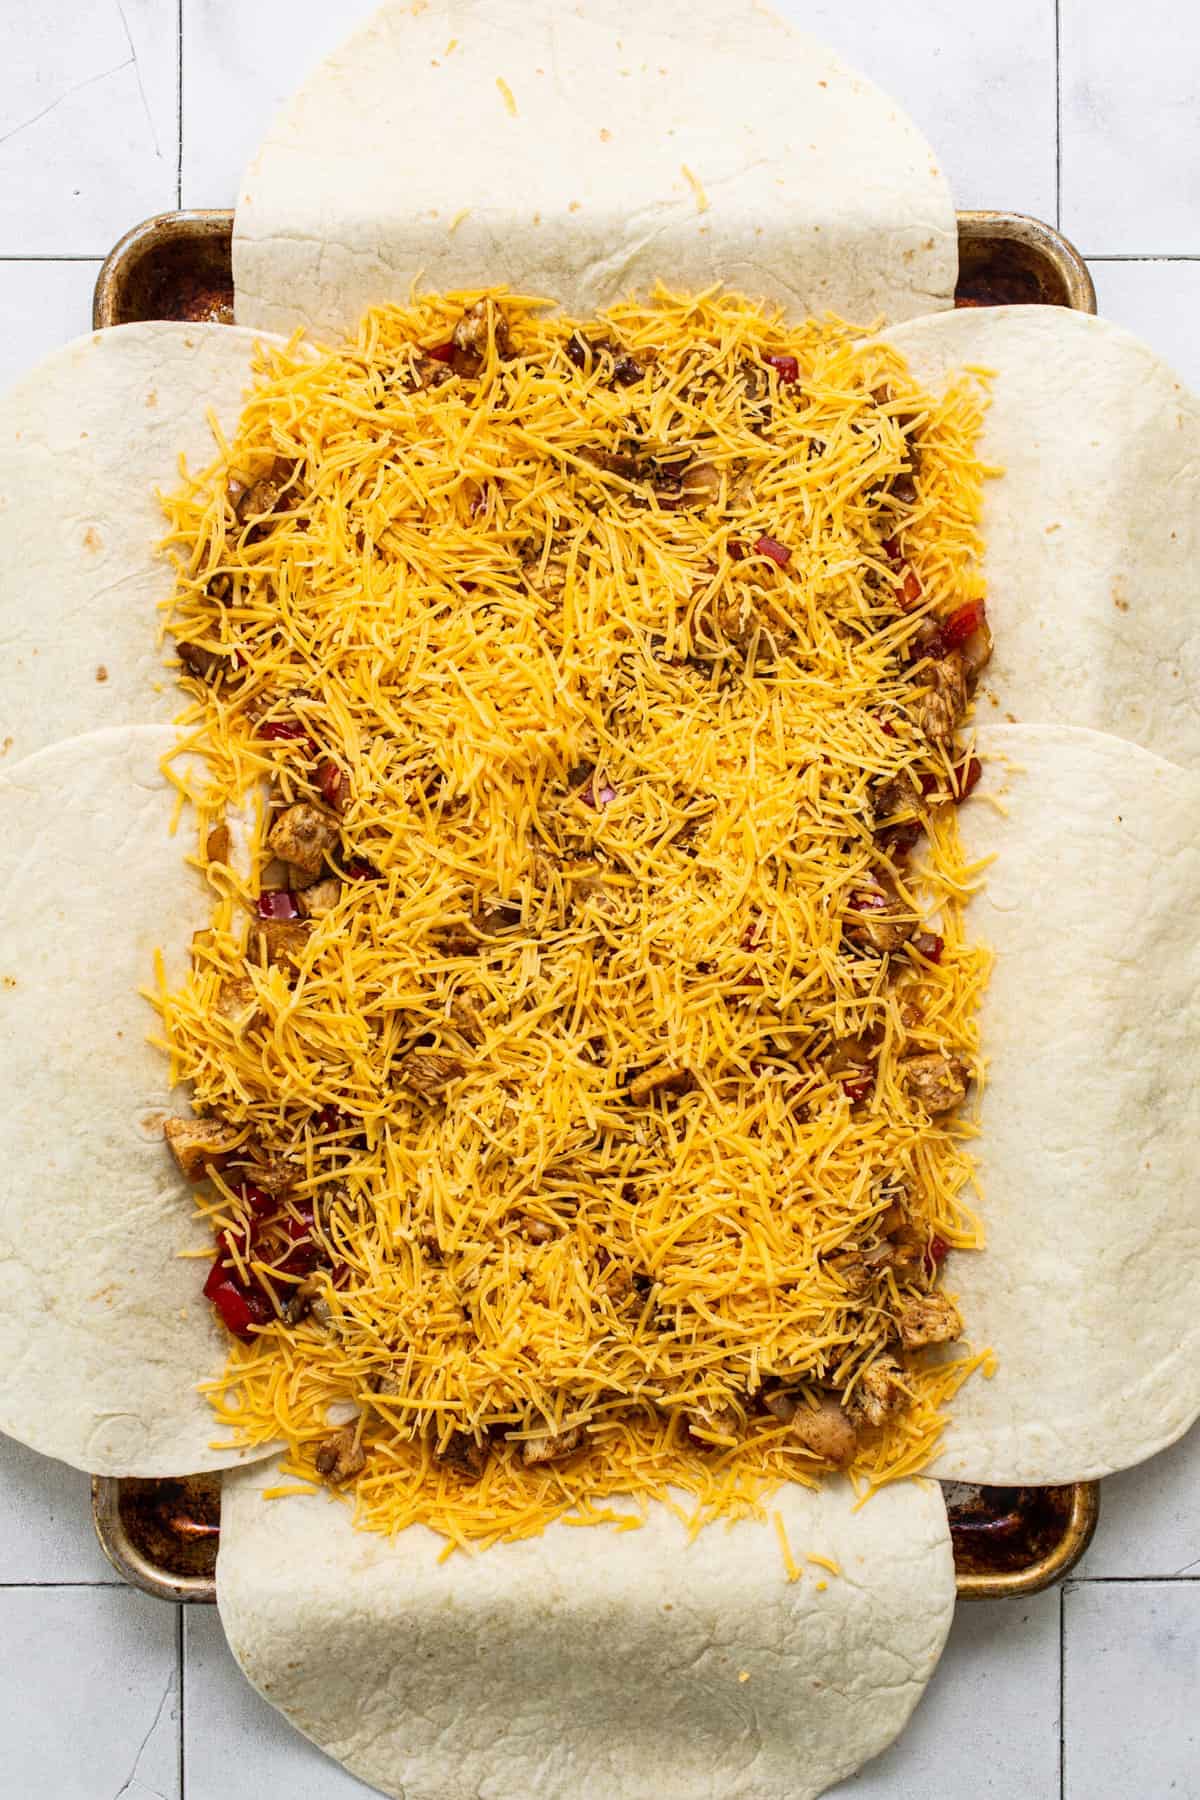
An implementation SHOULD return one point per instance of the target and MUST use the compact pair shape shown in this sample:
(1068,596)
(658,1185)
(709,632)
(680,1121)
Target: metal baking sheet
(162,1535)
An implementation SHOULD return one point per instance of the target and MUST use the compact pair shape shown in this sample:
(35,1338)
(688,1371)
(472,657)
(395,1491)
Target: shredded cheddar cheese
(572,1081)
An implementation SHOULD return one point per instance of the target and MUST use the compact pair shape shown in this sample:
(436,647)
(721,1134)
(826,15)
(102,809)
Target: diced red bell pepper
(891,549)
(937,1253)
(779,553)
(786,367)
(240,1307)
(332,785)
(443,353)
(929,945)
(737,550)
(359,869)
(287,731)
(966,778)
(330,1118)
(277,903)
(859,1087)
(909,591)
(962,624)
(256,1198)
(752,935)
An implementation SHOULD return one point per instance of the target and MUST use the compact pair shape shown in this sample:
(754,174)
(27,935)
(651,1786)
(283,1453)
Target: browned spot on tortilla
(10,981)
(1011,718)
(1054,527)
(7,746)
(152,397)
(92,539)
(822,84)
(1118,595)
(605,135)
(101,673)
(574,206)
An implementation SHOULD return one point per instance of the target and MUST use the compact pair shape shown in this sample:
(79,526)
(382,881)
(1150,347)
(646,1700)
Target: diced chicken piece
(470,337)
(551,1446)
(237,1003)
(781,1403)
(700,484)
(273,1174)
(201,664)
(936,1082)
(538,1231)
(194,1143)
(216,844)
(308,1301)
(297,879)
(428,372)
(283,940)
(876,918)
(265,494)
(946,701)
(879,1392)
(928,1319)
(464,1454)
(708,1424)
(826,1431)
(430,1072)
(663,1078)
(321,898)
(302,833)
(340,1456)
(897,797)
(466,1016)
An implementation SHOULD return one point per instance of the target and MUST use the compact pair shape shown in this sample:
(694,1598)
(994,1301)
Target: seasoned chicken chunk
(707,1424)
(282,939)
(551,1446)
(429,1072)
(471,337)
(878,919)
(321,898)
(340,1456)
(662,1078)
(194,1143)
(462,1453)
(237,1003)
(302,833)
(825,1431)
(946,701)
(880,1392)
(928,1319)
(936,1082)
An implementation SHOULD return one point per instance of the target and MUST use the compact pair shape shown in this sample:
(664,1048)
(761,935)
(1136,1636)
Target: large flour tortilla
(1089,1290)
(400,160)
(84,440)
(103,1331)
(586,1663)
(1093,535)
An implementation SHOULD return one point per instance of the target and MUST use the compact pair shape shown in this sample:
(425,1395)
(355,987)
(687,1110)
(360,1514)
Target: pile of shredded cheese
(608,734)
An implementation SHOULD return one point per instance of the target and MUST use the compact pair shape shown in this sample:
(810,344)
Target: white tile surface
(236,1747)
(45,1521)
(89,1695)
(1000,1672)
(1132,1680)
(88,134)
(1158,300)
(978,79)
(1131,126)
(1150,1517)
(239,64)
(42,305)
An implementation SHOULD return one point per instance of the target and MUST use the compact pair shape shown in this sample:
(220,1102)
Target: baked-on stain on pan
(162,1535)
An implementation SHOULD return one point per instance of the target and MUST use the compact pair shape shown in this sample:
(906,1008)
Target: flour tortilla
(85,438)
(1089,1288)
(1093,535)
(103,1331)
(583,1662)
(399,161)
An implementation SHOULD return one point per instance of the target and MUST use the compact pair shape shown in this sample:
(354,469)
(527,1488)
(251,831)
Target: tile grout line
(1058,113)
(181,1664)
(179,104)
(1062,1692)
